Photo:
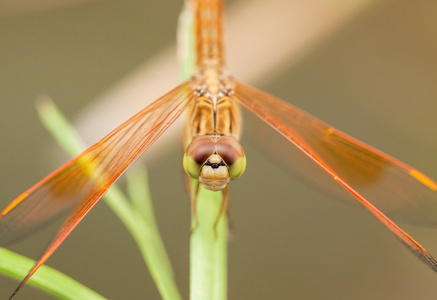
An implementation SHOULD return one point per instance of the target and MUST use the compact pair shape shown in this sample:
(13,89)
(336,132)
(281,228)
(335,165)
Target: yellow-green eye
(237,168)
(233,155)
(197,153)
(191,167)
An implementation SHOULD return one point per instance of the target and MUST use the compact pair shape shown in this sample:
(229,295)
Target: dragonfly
(213,157)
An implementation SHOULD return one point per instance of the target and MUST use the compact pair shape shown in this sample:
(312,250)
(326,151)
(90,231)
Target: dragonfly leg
(228,216)
(223,208)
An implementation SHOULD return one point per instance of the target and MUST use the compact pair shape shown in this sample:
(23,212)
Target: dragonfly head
(214,160)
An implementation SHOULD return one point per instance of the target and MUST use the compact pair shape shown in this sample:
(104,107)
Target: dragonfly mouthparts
(215,165)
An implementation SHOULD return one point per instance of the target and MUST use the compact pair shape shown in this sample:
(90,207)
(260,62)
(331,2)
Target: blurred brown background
(375,78)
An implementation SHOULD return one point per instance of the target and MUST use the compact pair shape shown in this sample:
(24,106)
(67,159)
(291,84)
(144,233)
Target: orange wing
(78,185)
(368,174)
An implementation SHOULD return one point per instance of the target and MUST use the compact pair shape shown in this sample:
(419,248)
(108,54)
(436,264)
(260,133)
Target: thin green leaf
(141,226)
(46,279)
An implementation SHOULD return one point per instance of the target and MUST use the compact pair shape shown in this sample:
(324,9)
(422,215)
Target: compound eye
(232,154)
(198,151)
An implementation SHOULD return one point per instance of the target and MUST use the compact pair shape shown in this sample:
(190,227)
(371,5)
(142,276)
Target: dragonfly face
(214,160)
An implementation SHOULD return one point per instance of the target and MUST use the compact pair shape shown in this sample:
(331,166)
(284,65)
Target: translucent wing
(77,186)
(371,176)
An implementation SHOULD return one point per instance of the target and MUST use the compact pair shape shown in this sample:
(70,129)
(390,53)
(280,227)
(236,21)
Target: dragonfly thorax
(213,155)
(212,84)
(214,160)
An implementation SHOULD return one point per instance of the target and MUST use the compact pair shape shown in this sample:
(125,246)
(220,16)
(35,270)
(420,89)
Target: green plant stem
(208,249)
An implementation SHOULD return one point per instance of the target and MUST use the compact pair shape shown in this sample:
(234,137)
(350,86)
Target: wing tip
(13,204)
(422,178)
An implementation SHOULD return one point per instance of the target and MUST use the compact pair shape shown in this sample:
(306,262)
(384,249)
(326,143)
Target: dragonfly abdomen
(209,29)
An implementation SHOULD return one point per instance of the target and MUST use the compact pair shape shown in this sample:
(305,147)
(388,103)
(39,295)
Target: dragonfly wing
(77,186)
(371,176)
